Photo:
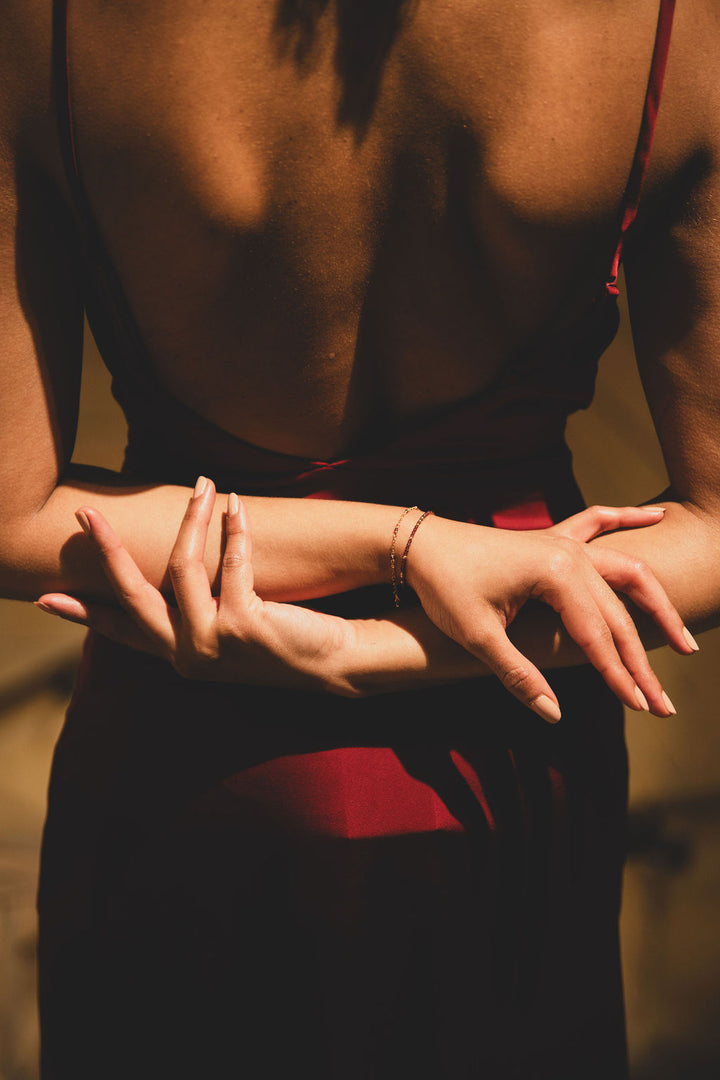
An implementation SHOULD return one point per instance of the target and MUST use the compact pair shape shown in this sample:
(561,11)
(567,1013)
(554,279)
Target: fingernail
(690,639)
(61,610)
(83,522)
(232,505)
(242,513)
(200,486)
(545,707)
(669,705)
(641,699)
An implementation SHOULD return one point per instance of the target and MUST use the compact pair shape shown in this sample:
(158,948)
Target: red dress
(242,881)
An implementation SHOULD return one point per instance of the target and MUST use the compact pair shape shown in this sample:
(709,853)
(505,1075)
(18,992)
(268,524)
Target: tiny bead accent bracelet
(397,575)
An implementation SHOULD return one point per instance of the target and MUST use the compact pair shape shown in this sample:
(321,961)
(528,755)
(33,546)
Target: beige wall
(618,461)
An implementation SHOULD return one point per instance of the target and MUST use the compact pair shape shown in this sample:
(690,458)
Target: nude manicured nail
(233,505)
(669,705)
(690,639)
(83,521)
(65,609)
(641,699)
(546,708)
(200,486)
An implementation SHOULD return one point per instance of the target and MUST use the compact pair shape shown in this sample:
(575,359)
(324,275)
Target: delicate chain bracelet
(393,556)
(397,575)
(416,526)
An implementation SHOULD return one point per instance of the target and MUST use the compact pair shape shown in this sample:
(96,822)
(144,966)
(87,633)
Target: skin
(343,280)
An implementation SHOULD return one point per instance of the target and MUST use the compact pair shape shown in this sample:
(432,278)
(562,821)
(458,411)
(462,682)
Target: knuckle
(598,638)
(639,570)
(563,557)
(625,629)
(179,567)
(603,636)
(515,678)
(232,560)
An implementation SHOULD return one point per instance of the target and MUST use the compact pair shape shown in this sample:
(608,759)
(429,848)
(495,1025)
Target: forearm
(406,651)
(303,548)
(683,551)
(237,636)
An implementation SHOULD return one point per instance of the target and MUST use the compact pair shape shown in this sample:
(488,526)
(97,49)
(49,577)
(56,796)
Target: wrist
(384,534)
(411,520)
(345,669)
(371,659)
(422,552)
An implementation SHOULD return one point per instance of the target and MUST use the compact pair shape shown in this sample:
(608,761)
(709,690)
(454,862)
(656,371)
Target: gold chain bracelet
(403,561)
(397,573)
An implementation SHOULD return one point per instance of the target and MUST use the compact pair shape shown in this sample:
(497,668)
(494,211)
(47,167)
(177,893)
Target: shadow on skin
(366,32)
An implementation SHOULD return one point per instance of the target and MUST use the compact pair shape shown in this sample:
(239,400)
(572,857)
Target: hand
(233,637)
(472,581)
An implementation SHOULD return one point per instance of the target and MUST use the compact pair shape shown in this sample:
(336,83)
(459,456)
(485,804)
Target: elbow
(28,564)
(17,581)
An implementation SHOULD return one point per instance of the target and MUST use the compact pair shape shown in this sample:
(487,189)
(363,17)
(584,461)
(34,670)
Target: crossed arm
(474,583)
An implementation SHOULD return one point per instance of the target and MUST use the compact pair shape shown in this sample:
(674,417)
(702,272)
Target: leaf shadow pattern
(366,33)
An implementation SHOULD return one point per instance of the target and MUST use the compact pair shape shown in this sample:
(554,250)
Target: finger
(592,628)
(237,592)
(111,622)
(135,593)
(186,566)
(634,657)
(631,650)
(517,674)
(596,520)
(638,582)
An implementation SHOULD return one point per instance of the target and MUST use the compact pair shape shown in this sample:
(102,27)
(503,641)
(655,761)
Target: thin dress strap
(636,180)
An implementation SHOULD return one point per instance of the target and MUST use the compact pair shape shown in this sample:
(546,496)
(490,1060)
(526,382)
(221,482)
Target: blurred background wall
(672,888)
(671,904)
